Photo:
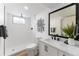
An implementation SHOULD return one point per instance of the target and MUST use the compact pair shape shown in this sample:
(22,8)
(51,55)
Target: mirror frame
(77,17)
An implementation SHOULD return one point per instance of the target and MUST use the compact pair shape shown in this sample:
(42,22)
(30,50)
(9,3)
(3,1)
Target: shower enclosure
(17,29)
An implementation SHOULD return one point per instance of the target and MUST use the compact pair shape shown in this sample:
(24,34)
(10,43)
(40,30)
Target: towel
(3,31)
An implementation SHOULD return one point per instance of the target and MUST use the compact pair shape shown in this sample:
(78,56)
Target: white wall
(55,22)
(33,25)
(43,15)
(1,23)
(68,21)
(34,19)
(1,14)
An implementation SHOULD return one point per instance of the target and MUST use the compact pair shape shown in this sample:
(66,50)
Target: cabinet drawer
(52,51)
(42,49)
(61,53)
(47,50)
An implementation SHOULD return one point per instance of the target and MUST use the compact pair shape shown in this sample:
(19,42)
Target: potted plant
(69,31)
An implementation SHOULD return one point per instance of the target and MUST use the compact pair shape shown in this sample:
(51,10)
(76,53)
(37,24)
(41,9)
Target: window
(18,20)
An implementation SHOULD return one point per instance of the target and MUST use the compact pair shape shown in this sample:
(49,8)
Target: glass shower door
(2,52)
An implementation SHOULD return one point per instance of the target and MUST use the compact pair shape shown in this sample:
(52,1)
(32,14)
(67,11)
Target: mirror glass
(61,18)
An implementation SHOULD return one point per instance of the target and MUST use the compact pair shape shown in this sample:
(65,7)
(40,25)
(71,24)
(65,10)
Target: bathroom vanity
(58,20)
(49,47)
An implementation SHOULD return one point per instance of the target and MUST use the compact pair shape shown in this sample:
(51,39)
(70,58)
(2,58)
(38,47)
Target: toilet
(32,49)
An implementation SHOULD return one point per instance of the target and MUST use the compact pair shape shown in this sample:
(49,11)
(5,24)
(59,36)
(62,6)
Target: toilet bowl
(32,49)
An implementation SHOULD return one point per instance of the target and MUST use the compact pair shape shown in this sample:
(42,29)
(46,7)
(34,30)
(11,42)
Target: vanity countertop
(72,50)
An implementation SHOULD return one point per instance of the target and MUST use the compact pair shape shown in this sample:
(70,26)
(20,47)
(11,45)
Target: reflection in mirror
(62,18)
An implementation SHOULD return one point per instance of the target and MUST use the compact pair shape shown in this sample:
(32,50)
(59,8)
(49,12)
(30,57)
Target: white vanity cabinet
(46,50)
(42,51)
(52,51)
(61,53)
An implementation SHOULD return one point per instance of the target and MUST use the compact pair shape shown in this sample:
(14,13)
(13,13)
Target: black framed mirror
(61,18)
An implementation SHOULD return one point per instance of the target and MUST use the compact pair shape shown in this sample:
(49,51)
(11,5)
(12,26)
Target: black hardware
(46,48)
(58,39)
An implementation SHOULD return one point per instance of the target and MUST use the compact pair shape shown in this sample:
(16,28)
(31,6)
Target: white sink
(54,42)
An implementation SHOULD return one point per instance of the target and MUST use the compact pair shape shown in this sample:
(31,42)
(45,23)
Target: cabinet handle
(64,55)
(46,48)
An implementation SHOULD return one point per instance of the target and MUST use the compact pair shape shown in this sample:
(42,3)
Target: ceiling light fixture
(26,8)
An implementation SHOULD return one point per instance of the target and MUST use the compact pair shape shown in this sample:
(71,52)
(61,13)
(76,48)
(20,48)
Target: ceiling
(34,8)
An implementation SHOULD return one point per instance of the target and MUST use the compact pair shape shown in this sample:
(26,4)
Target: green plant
(69,30)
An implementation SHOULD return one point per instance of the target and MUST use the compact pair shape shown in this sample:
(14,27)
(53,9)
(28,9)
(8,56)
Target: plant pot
(71,41)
